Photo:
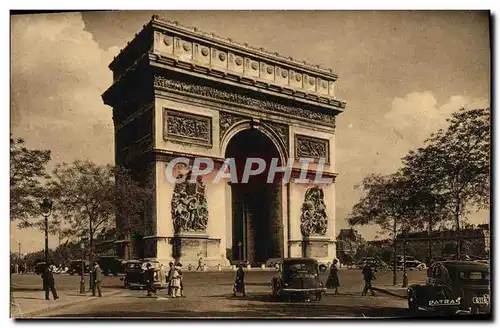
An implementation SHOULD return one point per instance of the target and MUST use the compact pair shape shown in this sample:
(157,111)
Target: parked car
(134,274)
(110,265)
(451,287)
(75,267)
(298,278)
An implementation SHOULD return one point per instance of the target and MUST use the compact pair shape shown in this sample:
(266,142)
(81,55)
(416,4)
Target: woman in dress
(176,282)
(333,277)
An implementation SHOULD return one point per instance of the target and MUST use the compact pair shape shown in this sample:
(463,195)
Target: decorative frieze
(309,147)
(226,120)
(184,127)
(314,221)
(256,104)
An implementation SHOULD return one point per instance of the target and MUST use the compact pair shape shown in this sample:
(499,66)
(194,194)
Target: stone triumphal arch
(178,92)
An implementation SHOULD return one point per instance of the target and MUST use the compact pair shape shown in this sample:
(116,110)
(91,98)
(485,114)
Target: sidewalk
(28,304)
(396,291)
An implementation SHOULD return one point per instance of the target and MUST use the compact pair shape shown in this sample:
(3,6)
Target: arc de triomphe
(178,92)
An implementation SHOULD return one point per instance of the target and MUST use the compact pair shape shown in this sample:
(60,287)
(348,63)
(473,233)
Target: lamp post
(240,248)
(82,271)
(405,274)
(46,207)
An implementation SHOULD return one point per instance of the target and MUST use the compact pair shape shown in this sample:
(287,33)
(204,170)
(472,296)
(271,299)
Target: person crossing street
(368,276)
(97,274)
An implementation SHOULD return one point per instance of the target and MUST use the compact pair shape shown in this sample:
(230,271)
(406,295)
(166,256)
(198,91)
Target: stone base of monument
(316,247)
(189,247)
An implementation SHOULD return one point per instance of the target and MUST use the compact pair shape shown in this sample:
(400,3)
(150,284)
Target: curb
(31,314)
(385,291)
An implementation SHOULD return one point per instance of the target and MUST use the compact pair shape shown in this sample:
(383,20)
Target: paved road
(209,294)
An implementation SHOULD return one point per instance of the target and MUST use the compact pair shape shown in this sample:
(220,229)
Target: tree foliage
(88,197)
(27,172)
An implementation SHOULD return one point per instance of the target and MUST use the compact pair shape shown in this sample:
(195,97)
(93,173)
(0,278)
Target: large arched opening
(257,230)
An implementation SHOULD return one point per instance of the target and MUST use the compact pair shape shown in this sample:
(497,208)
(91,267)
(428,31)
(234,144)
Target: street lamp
(82,271)
(405,274)
(46,207)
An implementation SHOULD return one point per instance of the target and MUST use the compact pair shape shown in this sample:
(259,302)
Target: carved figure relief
(182,126)
(313,220)
(281,130)
(189,205)
(206,91)
(226,120)
(309,147)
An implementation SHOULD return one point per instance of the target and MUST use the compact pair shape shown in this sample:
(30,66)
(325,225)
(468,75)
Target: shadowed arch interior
(257,233)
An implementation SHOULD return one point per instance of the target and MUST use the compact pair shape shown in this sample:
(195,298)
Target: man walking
(48,281)
(170,275)
(200,264)
(368,276)
(97,274)
(149,276)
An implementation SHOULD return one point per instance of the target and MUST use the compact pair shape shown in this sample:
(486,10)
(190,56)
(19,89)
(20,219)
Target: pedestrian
(48,281)
(333,277)
(200,264)
(149,278)
(97,275)
(179,270)
(239,282)
(169,278)
(176,282)
(368,276)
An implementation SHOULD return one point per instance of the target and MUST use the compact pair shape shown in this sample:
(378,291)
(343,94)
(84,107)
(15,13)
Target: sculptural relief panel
(180,126)
(310,147)
(314,220)
(189,205)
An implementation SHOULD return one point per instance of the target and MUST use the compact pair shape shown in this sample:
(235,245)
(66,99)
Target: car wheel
(412,302)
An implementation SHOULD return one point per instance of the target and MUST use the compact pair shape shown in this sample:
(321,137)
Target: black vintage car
(298,278)
(453,287)
(75,267)
(134,274)
(110,265)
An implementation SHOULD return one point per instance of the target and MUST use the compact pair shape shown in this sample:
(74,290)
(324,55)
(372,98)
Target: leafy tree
(89,197)
(385,203)
(454,168)
(27,171)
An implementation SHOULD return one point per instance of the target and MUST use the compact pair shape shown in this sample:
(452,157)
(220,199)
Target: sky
(402,73)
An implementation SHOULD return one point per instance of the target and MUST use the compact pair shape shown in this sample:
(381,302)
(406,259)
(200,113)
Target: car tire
(412,302)
(72,273)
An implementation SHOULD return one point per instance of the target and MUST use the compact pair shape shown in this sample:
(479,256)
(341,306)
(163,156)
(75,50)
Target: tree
(385,203)
(27,172)
(89,197)
(455,165)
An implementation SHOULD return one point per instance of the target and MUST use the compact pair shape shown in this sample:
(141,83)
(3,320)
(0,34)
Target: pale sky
(401,73)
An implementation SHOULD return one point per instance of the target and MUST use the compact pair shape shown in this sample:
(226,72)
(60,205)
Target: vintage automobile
(134,274)
(298,278)
(453,287)
(75,267)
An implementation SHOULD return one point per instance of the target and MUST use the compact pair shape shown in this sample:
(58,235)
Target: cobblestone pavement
(208,295)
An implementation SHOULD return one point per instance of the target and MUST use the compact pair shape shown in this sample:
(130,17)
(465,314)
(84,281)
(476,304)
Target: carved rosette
(226,120)
(184,127)
(189,205)
(210,92)
(281,130)
(309,147)
(314,220)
